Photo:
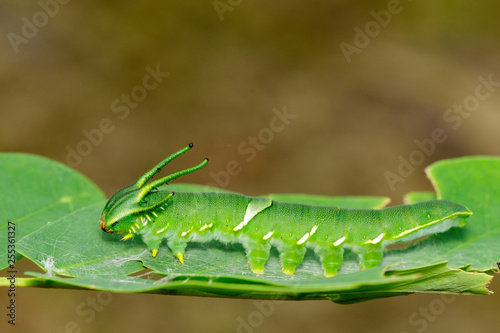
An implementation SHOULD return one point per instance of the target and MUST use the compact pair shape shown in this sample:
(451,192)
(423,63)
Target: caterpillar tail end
(154,252)
(289,271)
(180,256)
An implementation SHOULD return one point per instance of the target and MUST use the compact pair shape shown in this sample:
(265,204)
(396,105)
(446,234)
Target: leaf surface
(36,191)
(61,235)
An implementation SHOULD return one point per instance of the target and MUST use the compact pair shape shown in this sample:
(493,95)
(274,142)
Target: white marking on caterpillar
(254,207)
(143,220)
(162,230)
(149,218)
(313,230)
(154,213)
(268,235)
(408,231)
(339,241)
(376,240)
(248,216)
(184,233)
(246,219)
(239,226)
(206,226)
(303,239)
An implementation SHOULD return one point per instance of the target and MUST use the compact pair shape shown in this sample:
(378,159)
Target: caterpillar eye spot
(114,224)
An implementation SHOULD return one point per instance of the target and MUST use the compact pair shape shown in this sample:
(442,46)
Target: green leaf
(414,197)
(76,246)
(365,285)
(473,182)
(437,278)
(37,191)
(470,181)
(72,245)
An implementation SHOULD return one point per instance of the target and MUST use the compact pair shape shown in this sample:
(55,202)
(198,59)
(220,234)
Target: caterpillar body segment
(259,223)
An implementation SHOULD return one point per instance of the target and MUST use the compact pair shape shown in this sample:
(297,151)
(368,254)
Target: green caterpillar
(259,222)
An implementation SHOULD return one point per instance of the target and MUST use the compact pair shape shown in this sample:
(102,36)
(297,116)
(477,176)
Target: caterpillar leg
(152,244)
(178,248)
(331,259)
(257,254)
(291,256)
(370,256)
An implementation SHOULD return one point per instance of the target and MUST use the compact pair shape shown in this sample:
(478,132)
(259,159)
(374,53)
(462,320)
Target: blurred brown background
(356,102)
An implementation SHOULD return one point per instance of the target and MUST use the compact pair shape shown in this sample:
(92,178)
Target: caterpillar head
(129,209)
